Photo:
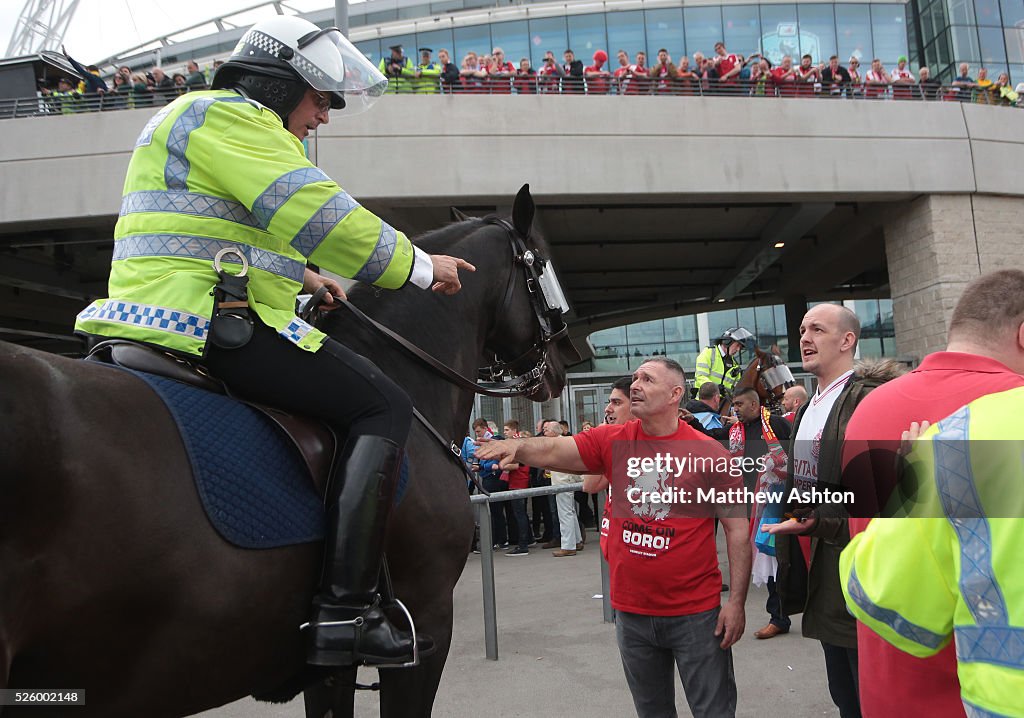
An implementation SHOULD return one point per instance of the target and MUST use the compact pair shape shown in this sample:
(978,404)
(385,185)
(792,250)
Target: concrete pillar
(796,307)
(932,252)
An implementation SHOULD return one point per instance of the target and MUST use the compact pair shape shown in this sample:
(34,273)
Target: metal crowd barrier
(56,104)
(486,541)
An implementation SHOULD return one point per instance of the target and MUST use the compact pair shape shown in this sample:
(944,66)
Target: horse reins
(518,385)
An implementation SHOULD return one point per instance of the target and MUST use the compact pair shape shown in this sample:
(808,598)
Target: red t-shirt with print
(661,565)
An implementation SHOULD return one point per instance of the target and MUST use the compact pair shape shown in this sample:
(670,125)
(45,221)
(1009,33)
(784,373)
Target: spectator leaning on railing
(663,75)
(964,83)
(596,76)
(195,80)
(526,78)
(928,88)
(982,94)
(835,78)
(876,81)
(449,72)
(500,73)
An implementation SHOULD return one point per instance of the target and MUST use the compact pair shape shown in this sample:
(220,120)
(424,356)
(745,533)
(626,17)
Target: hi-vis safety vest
(917,582)
(213,170)
(711,367)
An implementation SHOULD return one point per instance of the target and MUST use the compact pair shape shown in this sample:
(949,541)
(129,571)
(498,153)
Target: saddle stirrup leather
(349,625)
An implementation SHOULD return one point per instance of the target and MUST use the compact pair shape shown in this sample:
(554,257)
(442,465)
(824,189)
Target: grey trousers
(650,645)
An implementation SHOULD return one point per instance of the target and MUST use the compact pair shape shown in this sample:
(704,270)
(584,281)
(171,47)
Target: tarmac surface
(558,658)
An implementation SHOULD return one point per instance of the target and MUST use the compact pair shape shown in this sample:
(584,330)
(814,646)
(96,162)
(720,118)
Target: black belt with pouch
(231,326)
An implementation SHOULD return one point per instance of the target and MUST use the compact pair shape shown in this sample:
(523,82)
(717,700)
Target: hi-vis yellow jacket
(958,573)
(213,170)
(711,367)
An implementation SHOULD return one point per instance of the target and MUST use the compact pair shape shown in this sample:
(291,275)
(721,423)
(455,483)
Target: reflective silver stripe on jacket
(381,256)
(177,167)
(182,202)
(334,210)
(954,479)
(281,190)
(898,623)
(177,245)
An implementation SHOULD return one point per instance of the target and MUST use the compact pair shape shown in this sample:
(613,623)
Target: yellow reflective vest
(711,367)
(428,83)
(213,170)
(958,572)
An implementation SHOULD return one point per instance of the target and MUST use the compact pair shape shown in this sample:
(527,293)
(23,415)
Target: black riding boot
(360,496)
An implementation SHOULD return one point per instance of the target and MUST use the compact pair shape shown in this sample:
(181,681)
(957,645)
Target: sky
(101,28)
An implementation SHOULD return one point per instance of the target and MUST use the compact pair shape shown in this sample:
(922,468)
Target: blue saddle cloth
(253,483)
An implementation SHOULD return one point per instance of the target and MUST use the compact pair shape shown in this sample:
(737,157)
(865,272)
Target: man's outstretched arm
(547,452)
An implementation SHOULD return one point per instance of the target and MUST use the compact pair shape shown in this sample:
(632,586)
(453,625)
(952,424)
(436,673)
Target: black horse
(111,577)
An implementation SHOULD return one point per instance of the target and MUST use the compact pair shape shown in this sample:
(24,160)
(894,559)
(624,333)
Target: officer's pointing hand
(446,272)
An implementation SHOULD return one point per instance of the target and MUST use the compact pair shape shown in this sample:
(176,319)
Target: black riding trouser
(341,388)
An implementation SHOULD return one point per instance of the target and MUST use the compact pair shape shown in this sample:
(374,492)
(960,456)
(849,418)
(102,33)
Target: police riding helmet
(278,58)
(737,334)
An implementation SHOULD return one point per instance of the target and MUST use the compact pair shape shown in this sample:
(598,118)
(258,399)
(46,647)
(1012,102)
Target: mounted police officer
(717,362)
(220,179)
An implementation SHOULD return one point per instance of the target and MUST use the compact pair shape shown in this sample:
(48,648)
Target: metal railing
(482,504)
(73,103)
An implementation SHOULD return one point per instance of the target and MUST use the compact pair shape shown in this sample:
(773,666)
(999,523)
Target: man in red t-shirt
(639,83)
(784,77)
(621,74)
(596,76)
(500,73)
(665,579)
(807,76)
(985,354)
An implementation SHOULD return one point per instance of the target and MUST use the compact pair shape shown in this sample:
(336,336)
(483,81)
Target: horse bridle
(548,306)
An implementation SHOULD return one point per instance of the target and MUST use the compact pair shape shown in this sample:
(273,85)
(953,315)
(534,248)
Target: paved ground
(557,657)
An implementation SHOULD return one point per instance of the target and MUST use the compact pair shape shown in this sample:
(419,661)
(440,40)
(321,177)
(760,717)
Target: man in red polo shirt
(729,66)
(985,354)
(664,568)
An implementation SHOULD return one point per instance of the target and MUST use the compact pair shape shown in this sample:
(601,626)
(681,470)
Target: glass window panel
(1016,74)
(965,46)
(889,32)
(993,51)
(1015,45)
(609,337)
(817,31)
(513,38)
(703,29)
(746,318)
(665,30)
(742,27)
(436,8)
(686,354)
(987,12)
(471,39)
(961,12)
(625,32)
(780,33)
(853,24)
(587,34)
(405,13)
(1012,13)
(652,332)
(547,33)
(618,364)
(764,325)
(370,48)
(944,49)
(719,321)
(681,329)
(436,40)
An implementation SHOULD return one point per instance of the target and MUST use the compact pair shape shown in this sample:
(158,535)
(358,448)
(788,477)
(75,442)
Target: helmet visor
(330,63)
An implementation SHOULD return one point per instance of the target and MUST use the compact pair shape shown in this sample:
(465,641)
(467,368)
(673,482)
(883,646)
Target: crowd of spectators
(722,73)
(123,90)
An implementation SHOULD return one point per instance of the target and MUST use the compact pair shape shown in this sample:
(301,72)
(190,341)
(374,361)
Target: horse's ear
(458,215)
(523,210)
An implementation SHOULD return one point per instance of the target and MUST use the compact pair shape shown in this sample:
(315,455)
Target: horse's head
(774,377)
(530,339)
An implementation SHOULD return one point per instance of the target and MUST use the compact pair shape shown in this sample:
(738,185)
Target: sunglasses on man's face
(323,102)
